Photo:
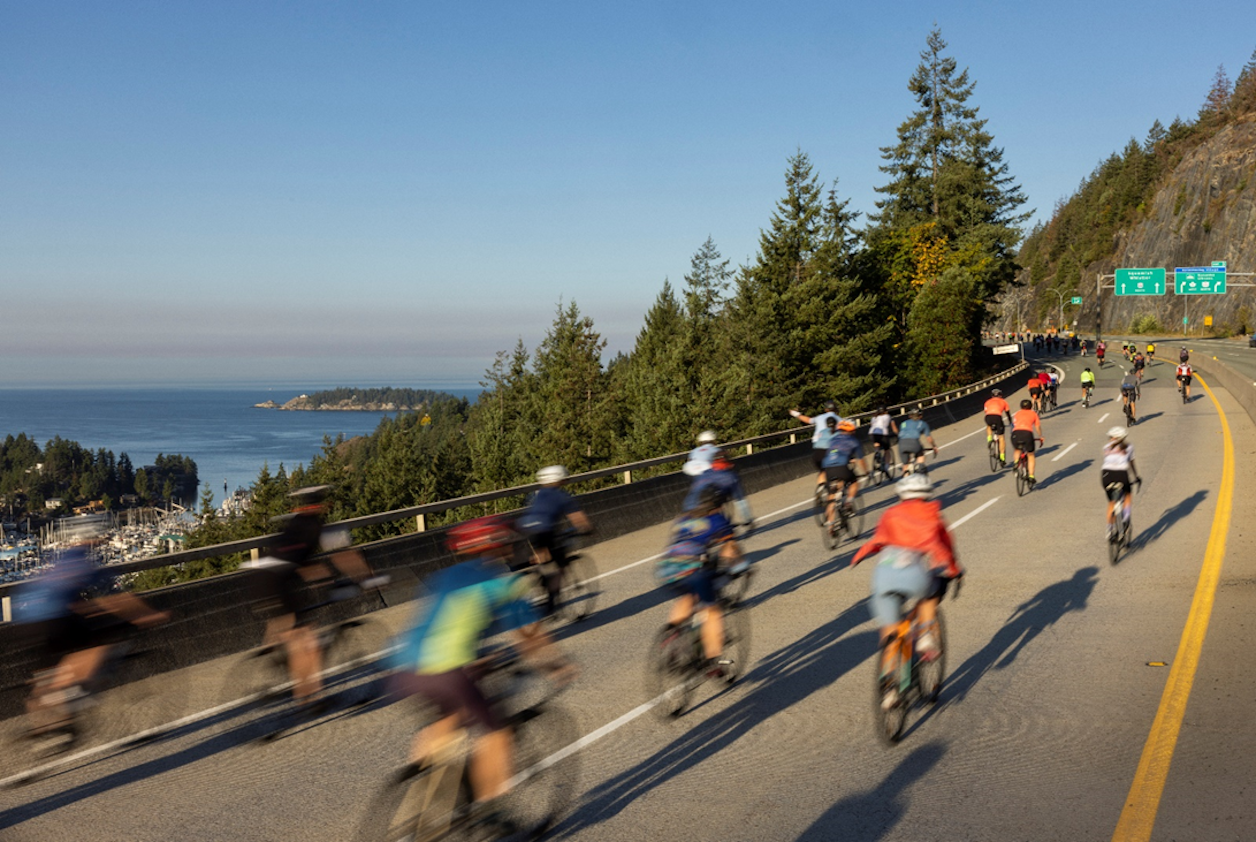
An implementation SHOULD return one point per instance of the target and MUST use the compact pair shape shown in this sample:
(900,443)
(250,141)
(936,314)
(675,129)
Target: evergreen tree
(1216,104)
(1243,100)
(657,379)
(571,409)
(944,318)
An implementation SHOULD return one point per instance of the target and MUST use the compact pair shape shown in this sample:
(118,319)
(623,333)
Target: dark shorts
(452,692)
(1185,378)
(910,446)
(1110,477)
(1023,440)
(1035,391)
(700,583)
(883,440)
(839,473)
(280,588)
(552,543)
(62,636)
(995,422)
(817,457)
(1129,391)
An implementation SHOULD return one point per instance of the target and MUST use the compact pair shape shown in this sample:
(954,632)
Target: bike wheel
(887,699)
(351,660)
(930,672)
(736,644)
(830,537)
(579,592)
(431,805)
(257,685)
(671,670)
(737,588)
(854,519)
(1022,479)
(545,787)
(133,705)
(818,504)
(993,448)
(1114,547)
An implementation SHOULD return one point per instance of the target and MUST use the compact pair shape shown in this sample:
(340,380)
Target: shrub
(1146,323)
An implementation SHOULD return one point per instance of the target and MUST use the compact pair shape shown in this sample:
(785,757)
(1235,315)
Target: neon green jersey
(1088,377)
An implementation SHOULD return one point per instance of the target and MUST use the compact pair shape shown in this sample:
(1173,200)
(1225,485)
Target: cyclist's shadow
(1167,518)
(873,813)
(1030,619)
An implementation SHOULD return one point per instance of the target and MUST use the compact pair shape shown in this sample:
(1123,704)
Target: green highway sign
(1218,264)
(1140,281)
(1077,299)
(1199,280)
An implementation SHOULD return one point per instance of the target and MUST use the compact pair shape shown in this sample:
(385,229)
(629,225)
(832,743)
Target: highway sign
(1207,321)
(1006,349)
(1218,264)
(1077,299)
(1198,280)
(1140,282)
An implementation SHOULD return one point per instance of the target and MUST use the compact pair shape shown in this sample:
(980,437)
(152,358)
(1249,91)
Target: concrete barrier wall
(1219,374)
(216,617)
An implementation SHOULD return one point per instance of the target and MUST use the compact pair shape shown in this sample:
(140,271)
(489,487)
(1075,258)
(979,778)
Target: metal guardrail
(420,513)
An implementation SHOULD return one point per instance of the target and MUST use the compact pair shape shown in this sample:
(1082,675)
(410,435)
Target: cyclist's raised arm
(806,419)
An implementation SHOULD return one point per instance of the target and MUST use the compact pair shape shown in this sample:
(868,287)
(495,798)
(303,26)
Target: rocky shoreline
(304,403)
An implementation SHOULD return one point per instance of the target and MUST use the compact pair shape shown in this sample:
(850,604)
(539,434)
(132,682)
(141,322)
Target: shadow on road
(1142,419)
(1030,619)
(1167,518)
(1060,476)
(777,682)
(871,815)
(952,496)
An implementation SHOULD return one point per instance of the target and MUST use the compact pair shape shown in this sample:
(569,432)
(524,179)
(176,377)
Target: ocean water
(219,428)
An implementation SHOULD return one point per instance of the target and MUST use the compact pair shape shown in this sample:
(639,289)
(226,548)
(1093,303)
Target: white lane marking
(957,524)
(961,438)
(1103,417)
(1060,455)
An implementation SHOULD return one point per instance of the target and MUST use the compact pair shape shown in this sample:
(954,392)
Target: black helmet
(829,406)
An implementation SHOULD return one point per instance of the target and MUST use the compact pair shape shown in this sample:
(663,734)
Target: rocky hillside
(1195,204)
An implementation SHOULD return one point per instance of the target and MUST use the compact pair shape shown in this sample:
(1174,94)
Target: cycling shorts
(699,583)
(71,633)
(839,473)
(817,457)
(1023,440)
(1129,391)
(1035,391)
(280,588)
(453,692)
(1139,364)
(553,543)
(1185,378)
(907,446)
(995,422)
(1110,477)
(892,586)
(883,440)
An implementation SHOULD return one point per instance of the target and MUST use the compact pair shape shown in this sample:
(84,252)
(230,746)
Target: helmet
(914,487)
(310,497)
(1087,368)
(1117,433)
(998,393)
(481,535)
(914,412)
(552,475)
(847,425)
(706,437)
(829,406)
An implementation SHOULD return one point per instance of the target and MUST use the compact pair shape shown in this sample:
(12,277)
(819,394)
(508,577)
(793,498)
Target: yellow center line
(1139,814)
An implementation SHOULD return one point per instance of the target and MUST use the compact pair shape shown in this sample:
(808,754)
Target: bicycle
(1087,390)
(577,596)
(126,703)
(677,665)
(1182,391)
(1129,410)
(848,515)
(882,464)
(1119,538)
(260,685)
(732,582)
(1024,482)
(912,678)
(995,449)
(434,800)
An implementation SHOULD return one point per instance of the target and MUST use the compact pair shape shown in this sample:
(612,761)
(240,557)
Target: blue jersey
(690,540)
(467,603)
(843,449)
(73,578)
(914,428)
(724,482)
(547,509)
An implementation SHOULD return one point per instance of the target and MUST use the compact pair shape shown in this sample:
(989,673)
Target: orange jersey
(997,406)
(1026,419)
(1035,383)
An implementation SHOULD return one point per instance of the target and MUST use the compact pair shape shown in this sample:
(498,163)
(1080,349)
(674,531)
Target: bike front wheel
(544,787)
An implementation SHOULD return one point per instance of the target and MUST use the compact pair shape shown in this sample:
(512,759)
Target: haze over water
(218,427)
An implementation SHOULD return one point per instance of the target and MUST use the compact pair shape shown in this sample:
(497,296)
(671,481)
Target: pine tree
(1216,104)
(1243,100)
(657,376)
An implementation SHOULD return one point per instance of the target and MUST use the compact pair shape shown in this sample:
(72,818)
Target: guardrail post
(6,610)
(420,523)
(255,554)
(749,449)
(793,438)
(627,477)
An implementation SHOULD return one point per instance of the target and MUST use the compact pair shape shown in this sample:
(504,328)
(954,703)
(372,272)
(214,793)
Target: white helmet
(552,475)
(1117,433)
(914,487)
(706,437)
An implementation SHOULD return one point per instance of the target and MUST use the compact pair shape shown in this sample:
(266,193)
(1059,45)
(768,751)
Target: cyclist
(1024,424)
(713,469)
(1035,390)
(1184,374)
(916,561)
(1151,352)
(1053,384)
(1101,348)
(883,429)
(1087,378)
(996,410)
(700,543)
(1129,392)
(1127,348)
(844,451)
(819,435)
(1139,363)
(1118,467)
(437,655)
(706,445)
(543,522)
(70,609)
(292,561)
(1082,344)
(911,438)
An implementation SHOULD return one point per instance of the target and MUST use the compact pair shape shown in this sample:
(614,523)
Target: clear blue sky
(392,192)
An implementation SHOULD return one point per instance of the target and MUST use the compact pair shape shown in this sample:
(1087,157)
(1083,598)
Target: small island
(385,399)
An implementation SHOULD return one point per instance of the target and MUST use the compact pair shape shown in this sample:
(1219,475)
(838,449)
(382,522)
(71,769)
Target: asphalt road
(1049,702)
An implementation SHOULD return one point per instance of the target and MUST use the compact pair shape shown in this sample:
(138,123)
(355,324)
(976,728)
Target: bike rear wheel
(433,803)
(350,662)
(579,593)
(541,796)
(853,521)
(818,504)
(930,672)
(993,447)
(889,703)
(671,670)
(1022,478)
(736,644)
(258,685)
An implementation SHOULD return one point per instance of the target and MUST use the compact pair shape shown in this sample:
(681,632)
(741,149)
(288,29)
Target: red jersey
(1044,378)
(1184,370)
(997,406)
(916,525)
